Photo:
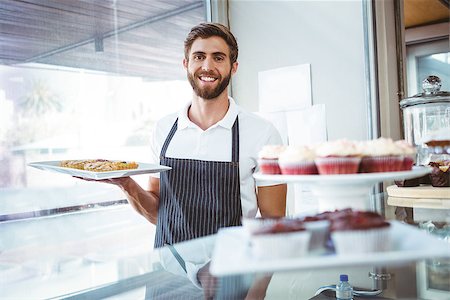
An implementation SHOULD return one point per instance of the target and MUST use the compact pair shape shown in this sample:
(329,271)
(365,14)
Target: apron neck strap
(235,141)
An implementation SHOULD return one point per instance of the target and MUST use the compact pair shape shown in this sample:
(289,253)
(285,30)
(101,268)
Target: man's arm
(272,200)
(145,202)
(271,203)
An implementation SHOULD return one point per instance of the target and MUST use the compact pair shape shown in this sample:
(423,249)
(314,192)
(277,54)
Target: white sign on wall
(285,89)
(285,99)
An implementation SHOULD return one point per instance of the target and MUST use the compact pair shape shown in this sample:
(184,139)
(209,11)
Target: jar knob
(431,85)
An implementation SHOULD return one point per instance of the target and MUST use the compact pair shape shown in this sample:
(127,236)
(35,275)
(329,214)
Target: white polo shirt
(214,144)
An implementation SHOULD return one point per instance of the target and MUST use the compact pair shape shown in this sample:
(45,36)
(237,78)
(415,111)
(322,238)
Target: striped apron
(197,197)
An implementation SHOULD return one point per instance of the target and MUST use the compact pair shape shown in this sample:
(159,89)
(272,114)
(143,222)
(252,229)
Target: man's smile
(208,82)
(207,78)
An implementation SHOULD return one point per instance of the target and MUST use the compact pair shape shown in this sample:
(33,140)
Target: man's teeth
(207,78)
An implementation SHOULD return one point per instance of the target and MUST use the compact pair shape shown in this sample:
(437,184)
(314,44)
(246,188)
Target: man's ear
(234,67)
(185,63)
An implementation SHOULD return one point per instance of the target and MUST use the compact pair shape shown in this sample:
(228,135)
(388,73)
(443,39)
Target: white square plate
(143,168)
(232,253)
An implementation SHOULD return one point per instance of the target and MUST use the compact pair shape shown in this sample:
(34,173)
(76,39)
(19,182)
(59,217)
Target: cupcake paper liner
(298,168)
(280,245)
(269,166)
(408,162)
(362,241)
(337,165)
(372,164)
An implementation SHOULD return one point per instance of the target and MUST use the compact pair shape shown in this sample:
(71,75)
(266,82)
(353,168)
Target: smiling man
(212,146)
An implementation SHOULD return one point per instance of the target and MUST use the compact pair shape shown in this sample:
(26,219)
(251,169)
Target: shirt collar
(226,122)
(183,120)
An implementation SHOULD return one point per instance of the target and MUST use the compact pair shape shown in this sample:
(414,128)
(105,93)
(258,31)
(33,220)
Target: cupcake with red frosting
(268,159)
(337,157)
(297,160)
(381,155)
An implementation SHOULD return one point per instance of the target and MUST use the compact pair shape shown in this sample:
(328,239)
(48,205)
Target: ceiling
(425,12)
(129,37)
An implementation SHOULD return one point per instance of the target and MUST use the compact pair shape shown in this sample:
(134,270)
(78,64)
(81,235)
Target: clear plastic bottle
(344,291)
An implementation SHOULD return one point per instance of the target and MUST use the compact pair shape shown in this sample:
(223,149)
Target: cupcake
(381,155)
(319,226)
(337,157)
(360,232)
(440,174)
(297,160)
(252,225)
(409,154)
(268,159)
(284,239)
(412,182)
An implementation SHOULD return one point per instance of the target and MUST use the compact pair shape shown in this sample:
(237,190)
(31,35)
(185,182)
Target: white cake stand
(343,190)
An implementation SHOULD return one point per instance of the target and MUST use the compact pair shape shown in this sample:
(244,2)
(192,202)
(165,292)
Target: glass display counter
(107,252)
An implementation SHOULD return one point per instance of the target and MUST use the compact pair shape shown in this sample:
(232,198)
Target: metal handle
(380,276)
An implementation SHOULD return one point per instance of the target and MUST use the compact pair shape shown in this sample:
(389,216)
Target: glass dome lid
(431,93)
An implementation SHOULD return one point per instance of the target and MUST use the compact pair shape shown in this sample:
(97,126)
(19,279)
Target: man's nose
(207,64)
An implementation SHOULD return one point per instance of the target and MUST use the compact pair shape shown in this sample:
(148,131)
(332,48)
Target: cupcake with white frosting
(268,159)
(297,160)
(409,154)
(381,155)
(337,157)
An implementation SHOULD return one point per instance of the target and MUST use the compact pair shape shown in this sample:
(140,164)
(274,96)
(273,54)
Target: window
(425,59)
(84,79)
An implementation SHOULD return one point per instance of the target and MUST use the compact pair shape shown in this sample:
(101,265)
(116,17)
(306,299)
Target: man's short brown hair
(207,30)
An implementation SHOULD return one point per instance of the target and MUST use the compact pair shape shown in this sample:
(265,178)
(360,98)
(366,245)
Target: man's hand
(207,281)
(116,181)
(259,288)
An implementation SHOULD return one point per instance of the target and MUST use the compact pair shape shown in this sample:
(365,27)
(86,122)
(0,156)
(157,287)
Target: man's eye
(198,57)
(219,58)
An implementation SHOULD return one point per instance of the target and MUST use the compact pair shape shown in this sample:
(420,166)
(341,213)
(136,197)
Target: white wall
(326,34)
(329,36)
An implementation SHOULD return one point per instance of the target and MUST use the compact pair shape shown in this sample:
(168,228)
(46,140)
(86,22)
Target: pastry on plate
(98,165)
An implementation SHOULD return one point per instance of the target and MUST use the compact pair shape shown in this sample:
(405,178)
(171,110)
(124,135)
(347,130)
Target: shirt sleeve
(274,137)
(155,149)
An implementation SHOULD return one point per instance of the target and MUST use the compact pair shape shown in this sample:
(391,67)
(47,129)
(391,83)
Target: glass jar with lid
(426,120)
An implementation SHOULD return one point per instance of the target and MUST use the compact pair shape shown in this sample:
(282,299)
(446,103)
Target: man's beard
(208,93)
